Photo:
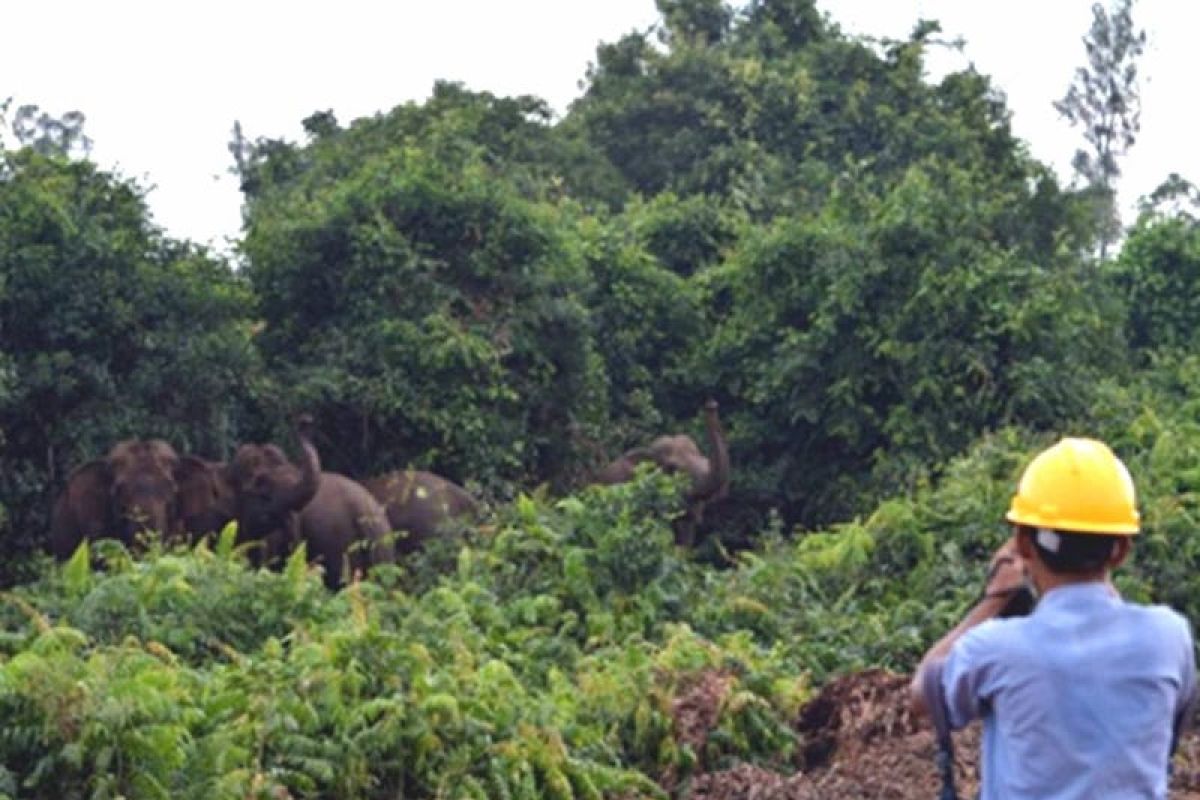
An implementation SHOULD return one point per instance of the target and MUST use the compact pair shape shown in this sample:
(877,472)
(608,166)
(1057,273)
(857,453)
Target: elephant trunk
(140,519)
(294,497)
(145,504)
(715,484)
(297,496)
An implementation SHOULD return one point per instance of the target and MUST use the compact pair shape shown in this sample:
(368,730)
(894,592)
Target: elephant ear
(205,498)
(245,461)
(88,497)
(197,481)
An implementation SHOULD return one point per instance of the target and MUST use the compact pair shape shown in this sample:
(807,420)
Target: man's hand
(1007,573)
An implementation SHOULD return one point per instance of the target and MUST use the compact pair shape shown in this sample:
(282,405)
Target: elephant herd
(346,525)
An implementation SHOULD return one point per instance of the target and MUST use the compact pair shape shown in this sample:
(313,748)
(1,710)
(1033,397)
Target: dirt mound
(860,740)
(748,782)
(853,711)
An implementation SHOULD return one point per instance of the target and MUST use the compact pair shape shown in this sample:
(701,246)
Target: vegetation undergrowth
(552,652)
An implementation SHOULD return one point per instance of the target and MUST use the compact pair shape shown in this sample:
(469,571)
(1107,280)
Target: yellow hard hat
(1078,485)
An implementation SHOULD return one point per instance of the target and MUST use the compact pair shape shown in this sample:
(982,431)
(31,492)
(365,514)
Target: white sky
(161,82)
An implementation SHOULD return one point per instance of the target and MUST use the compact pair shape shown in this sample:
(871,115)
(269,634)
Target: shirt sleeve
(1185,706)
(965,675)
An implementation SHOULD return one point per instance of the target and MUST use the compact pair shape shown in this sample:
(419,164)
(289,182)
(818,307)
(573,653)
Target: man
(1083,697)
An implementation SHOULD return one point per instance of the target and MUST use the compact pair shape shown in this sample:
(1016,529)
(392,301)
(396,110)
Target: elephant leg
(65,533)
(373,542)
(330,542)
(330,552)
(277,545)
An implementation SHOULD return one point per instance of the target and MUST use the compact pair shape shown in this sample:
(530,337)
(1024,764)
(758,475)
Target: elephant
(281,504)
(346,529)
(131,490)
(268,493)
(206,500)
(419,504)
(679,453)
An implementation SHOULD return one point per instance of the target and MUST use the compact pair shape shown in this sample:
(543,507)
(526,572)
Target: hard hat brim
(1073,526)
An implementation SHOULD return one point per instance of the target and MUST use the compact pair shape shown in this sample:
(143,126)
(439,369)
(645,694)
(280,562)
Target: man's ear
(1025,546)
(1120,551)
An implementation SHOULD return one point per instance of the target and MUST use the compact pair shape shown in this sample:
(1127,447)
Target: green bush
(560,649)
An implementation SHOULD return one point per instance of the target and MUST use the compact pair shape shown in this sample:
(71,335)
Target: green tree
(1174,197)
(869,343)
(510,135)
(765,108)
(1158,272)
(414,297)
(663,120)
(646,318)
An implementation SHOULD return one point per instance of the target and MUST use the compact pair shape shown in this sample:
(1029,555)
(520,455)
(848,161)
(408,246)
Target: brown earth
(859,740)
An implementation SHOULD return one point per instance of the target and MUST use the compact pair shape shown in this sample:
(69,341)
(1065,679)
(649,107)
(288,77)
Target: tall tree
(1104,99)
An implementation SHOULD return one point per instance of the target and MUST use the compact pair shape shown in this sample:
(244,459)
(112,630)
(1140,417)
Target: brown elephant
(129,491)
(679,454)
(269,492)
(206,500)
(345,529)
(280,504)
(419,505)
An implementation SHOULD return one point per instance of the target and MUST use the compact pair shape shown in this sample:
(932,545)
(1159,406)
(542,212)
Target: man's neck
(1048,581)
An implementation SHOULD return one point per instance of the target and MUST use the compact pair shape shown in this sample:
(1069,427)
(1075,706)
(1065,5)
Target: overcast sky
(161,83)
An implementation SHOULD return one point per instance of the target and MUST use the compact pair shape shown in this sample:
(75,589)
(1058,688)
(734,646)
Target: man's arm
(1006,576)
(1185,705)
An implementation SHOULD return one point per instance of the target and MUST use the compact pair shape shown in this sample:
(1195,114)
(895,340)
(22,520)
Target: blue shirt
(1078,699)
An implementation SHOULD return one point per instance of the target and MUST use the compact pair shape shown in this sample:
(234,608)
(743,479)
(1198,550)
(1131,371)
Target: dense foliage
(556,652)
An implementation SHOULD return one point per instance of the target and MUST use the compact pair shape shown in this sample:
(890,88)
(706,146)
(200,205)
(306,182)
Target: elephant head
(129,491)
(269,491)
(206,501)
(708,476)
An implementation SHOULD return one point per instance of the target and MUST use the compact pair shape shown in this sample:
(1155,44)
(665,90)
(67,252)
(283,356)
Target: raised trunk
(310,471)
(298,496)
(715,484)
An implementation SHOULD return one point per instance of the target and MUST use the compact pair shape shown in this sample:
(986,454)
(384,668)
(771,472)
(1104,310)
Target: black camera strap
(931,688)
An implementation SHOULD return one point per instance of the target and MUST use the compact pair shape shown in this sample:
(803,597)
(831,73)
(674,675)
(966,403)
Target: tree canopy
(866,268)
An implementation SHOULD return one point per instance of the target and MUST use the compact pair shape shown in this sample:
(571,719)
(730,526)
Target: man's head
(1075,510)
(1072,555)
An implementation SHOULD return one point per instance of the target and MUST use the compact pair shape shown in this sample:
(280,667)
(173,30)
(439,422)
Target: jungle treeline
(866,269)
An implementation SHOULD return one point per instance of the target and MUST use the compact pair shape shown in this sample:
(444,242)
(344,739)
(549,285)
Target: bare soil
(859,740)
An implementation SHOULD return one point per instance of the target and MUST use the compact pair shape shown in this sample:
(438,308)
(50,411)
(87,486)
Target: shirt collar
(1075,595)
